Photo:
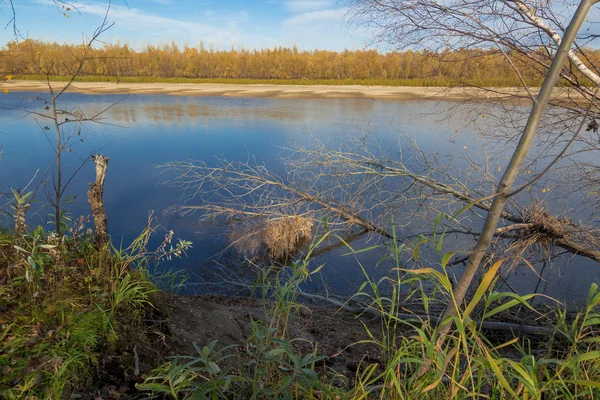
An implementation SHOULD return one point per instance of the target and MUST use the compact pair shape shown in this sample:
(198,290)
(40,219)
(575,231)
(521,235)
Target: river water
(140,132)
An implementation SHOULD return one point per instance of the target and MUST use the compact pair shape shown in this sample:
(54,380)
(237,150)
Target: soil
(185,321)
(200,320)
(338,333)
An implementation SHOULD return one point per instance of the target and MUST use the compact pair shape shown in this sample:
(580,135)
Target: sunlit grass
(471,363)
(65,306)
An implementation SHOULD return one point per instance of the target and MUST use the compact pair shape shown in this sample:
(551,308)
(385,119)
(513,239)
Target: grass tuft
(66,308)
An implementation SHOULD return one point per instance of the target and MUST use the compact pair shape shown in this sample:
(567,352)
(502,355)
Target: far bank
(397,93)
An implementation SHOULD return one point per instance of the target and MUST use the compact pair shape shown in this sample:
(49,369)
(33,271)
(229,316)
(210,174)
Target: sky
(250,24)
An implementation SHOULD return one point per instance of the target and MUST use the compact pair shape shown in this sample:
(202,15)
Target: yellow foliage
(476,66)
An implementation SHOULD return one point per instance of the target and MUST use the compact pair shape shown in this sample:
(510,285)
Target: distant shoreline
(397,93)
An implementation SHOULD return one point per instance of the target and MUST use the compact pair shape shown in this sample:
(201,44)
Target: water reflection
(152,130)
(193,114)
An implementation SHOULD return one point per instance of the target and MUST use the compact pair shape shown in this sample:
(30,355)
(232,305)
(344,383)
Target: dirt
(338,333)
(183,321)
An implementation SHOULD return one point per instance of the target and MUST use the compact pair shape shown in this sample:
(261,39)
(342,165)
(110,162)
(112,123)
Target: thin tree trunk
(58,188)
(504,188)
(95,198)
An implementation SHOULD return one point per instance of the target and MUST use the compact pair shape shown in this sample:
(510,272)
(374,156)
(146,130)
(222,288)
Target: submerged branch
(254,198)
(241,190)
(488,325)
(577,239)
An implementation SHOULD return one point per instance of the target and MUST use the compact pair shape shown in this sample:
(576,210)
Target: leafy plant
(32,255)
(83,305)
(193,377)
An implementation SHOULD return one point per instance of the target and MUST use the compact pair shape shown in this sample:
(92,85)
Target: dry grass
(277,239)
(547,227)
(540,236)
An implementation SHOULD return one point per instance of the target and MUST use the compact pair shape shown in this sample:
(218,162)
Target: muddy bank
(203,319)
(187,323)
(183,323)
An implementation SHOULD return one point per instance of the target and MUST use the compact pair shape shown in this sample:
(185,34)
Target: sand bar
(270,91)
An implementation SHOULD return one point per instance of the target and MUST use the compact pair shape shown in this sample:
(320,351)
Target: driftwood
(240,191)
(576,238)
(487,325)
(95,198)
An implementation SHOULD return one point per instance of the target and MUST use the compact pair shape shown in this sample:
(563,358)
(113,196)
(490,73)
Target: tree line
(469,66)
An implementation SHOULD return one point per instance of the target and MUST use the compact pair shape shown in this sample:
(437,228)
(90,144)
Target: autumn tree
(478,67)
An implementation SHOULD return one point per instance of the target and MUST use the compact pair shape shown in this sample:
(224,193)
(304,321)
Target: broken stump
(95,198)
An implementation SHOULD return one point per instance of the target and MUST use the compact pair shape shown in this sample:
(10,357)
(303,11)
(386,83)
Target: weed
(79,305)
(471,362)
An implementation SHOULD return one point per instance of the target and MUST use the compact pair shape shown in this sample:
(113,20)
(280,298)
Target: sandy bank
(268,91)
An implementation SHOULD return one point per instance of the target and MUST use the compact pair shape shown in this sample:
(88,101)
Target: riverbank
(274,91)
(90,325)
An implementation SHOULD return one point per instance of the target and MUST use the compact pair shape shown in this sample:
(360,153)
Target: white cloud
(321,16)
(319,24)
(222,31)
(322,29)
(308,28)
(232,19)
(298,6)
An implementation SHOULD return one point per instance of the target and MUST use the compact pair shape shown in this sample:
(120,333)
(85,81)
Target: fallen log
(517,329)
(239,190)
(577,239)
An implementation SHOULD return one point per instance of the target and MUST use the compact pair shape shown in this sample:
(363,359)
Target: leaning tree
(355,185)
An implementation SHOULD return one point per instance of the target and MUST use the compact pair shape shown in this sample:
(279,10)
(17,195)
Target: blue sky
(309,24)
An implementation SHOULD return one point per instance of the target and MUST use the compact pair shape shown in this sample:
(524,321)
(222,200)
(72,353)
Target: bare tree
(64,7)
(517,30)
(525,33)
(529,30)
(66,124)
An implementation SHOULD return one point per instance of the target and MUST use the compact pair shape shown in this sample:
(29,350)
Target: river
(141,132)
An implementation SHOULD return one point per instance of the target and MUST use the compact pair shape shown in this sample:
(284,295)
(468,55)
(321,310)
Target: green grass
(470,364)
(65,307)
(79,305)
(432,82)
(268,366)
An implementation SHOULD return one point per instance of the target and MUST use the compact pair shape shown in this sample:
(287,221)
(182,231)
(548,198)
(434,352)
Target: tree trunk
(95,198)
(504,187)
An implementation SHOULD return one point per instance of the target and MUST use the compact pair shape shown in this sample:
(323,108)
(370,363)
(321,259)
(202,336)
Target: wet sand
(271,91)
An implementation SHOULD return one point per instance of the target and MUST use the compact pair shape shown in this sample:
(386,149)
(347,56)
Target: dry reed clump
(542,231)
(285,236)
(546,227)
(278,238)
